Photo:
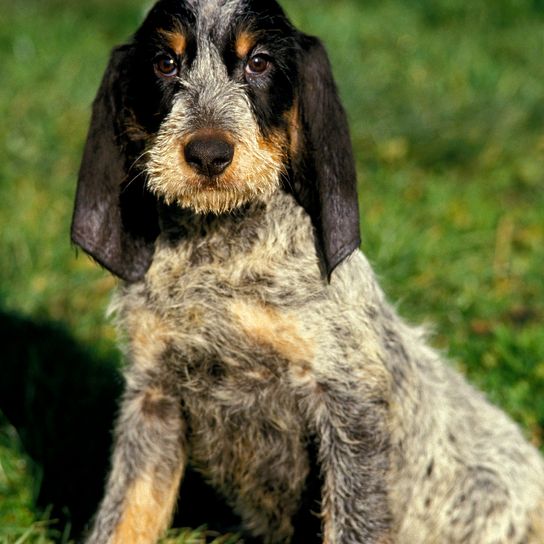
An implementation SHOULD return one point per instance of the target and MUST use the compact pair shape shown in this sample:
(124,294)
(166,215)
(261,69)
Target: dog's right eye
(165,66)
(257,65)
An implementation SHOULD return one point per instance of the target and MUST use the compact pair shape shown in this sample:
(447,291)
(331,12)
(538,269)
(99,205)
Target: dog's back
(461,470)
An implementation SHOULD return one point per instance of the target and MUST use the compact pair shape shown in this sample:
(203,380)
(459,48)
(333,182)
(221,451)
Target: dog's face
(222,114)
(213,103)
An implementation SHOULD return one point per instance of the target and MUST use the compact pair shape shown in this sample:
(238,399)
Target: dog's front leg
(148,461)
(351,428)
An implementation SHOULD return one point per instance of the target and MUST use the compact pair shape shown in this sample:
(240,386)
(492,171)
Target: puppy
(218,183)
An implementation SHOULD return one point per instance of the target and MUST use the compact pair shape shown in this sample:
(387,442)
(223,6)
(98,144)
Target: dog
(218,183)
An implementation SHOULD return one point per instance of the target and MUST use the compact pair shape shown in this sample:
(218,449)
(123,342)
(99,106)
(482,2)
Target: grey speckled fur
(241,356)
(236,323)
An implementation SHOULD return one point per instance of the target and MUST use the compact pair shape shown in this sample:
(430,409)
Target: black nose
(209,156)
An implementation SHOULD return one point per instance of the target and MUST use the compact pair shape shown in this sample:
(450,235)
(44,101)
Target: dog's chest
(243,420)
(229,362)
(219,320)
(249,441)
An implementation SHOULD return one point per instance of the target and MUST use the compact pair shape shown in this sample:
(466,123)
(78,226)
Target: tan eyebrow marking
(176,40)
(244,43)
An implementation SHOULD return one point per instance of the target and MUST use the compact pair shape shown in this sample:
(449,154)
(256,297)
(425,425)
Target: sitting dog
(218,183)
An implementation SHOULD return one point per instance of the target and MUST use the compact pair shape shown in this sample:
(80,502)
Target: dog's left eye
(257,65)
(165,66)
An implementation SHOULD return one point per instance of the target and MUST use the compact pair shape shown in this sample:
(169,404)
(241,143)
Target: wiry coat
(243,354)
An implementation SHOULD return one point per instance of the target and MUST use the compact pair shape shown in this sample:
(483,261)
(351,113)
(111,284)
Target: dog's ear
(115,217)
(323,169)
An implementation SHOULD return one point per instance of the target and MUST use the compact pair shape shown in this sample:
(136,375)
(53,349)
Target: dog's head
(212,104)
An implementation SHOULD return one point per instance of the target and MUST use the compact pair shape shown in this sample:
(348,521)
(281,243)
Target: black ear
(115,217)
(323,169)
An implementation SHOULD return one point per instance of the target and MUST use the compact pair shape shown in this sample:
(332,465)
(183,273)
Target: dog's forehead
(216,17)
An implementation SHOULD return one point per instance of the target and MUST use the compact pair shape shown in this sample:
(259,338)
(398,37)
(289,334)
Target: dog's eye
(165,66)
(257,65)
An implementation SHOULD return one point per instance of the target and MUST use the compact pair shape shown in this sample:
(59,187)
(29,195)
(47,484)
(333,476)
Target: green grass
(446,106)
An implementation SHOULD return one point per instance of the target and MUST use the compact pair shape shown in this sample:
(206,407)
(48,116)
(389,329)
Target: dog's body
(243,354)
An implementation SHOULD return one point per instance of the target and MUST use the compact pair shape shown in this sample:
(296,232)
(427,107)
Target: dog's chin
(216,195)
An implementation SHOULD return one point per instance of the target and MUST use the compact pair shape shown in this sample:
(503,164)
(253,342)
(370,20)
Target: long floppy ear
(115,217)
(323,170)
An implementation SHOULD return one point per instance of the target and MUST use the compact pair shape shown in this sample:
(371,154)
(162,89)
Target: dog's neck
(260,227)
(177,223)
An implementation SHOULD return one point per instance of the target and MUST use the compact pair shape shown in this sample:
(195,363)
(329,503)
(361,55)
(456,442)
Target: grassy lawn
(446,103)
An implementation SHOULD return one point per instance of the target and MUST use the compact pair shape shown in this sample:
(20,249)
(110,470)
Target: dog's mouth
(206,183)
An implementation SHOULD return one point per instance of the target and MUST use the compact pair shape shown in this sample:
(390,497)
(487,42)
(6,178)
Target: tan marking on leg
(244,44)
(176,40)
(149,335)
(156,404)
(328,536)
(269,327)
(147,511)
(536,520)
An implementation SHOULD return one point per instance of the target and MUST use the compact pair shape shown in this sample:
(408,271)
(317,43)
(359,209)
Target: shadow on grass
(62,400)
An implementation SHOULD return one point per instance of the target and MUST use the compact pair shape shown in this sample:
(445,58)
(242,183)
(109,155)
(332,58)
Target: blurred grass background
(446,104)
